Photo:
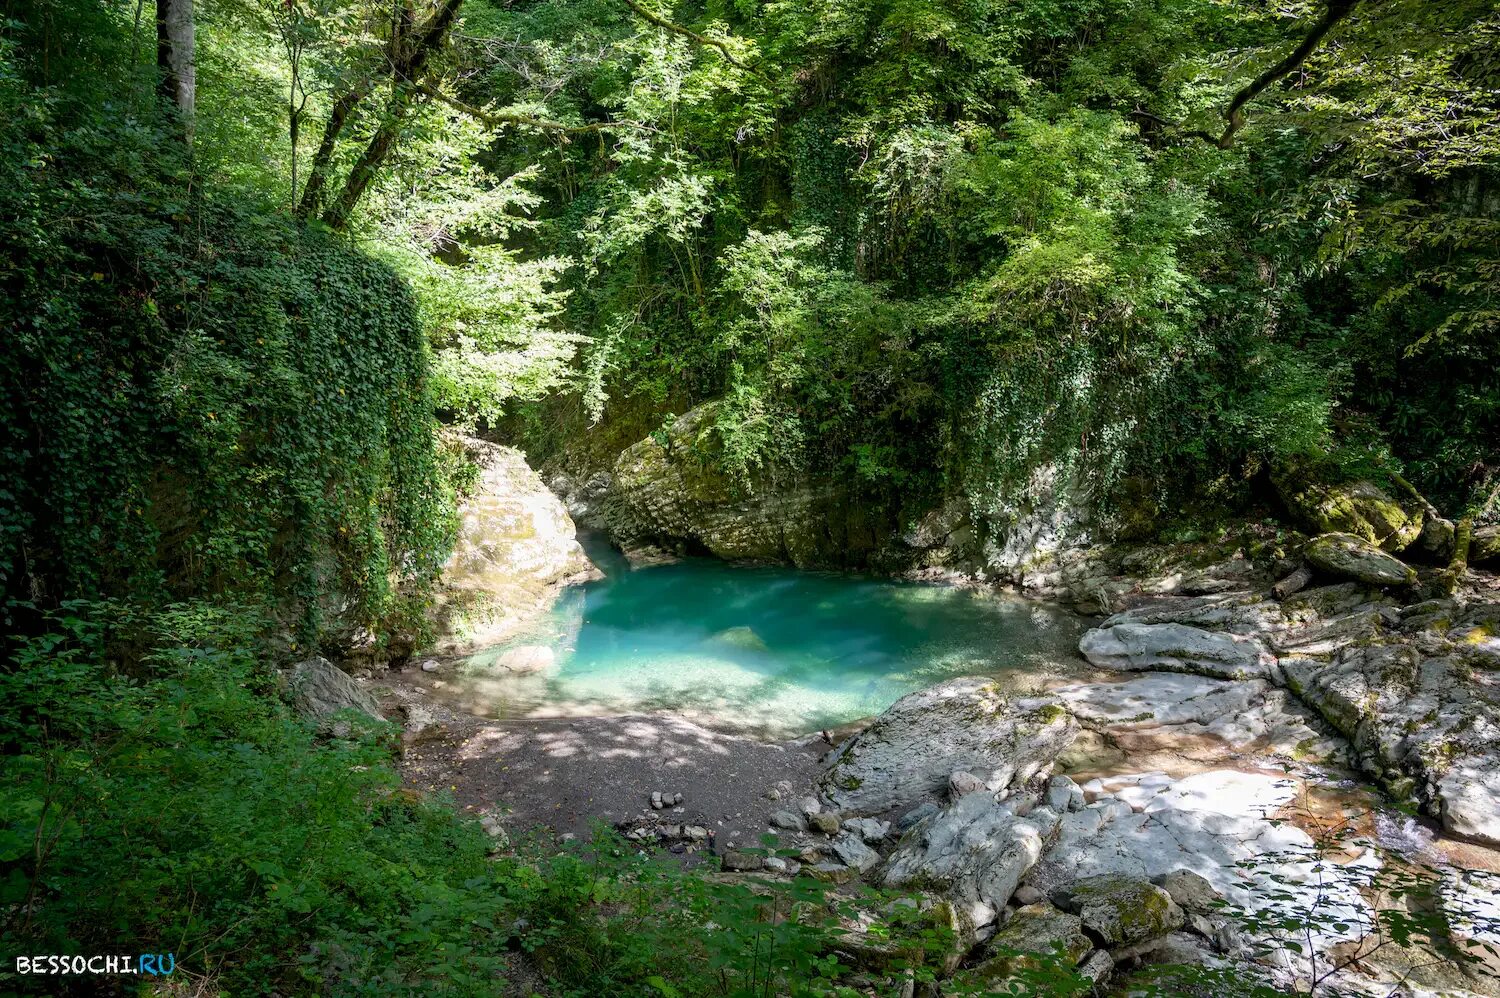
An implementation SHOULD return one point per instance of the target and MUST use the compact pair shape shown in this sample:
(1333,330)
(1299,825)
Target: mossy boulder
(1346,556)
(918,930)
(1119,910)
(1361,508)
(1484,547)
(1035,935)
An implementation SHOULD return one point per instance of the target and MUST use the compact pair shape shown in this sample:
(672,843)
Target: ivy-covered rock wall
(200,398)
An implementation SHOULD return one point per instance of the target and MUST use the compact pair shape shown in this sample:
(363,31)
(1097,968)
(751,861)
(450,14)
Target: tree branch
(404,74)
(499,120)
(678,29)
(1234,114)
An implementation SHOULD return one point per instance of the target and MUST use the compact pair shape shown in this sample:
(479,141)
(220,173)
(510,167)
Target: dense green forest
(259,259)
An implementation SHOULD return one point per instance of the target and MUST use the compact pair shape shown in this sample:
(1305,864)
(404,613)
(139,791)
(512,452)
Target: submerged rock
(1345,556)
(912,749)
(527,658)
(743,637)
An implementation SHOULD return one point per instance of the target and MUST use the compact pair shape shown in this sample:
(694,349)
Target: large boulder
(975,852)
(1118,909)
(1035,930)
(1170,647)
(669,494)
(1484,546)
(516,547)
(1346,556)
(1361,508)
(912,749)
(319,690)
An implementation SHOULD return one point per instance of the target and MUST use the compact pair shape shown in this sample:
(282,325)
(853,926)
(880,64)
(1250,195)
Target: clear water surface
(770,650)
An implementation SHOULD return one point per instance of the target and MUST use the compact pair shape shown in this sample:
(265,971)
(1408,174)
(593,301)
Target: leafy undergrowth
(159,798)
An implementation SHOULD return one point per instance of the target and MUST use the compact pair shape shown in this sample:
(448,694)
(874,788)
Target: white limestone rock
(975,852)
(912,749)
(1132,647)
(516,547)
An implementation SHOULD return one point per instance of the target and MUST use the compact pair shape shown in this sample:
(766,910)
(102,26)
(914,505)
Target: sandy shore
(559,775)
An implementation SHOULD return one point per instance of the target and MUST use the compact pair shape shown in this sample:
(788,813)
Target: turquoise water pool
(770,649)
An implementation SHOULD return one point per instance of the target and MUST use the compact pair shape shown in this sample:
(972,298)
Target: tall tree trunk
(317,176)
(174,56)
(406,73)
(380,146)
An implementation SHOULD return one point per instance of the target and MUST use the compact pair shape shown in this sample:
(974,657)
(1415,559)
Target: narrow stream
(771,650)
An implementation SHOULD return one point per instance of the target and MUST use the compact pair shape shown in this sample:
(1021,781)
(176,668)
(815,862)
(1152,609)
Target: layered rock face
(516,545)
(1409,686)
(667,497)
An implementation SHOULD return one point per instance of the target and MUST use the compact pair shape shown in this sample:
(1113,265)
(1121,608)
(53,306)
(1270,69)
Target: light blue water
(772,650)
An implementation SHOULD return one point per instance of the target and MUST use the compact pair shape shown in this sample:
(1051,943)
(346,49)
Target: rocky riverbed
(1281,743)
(1211,780)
